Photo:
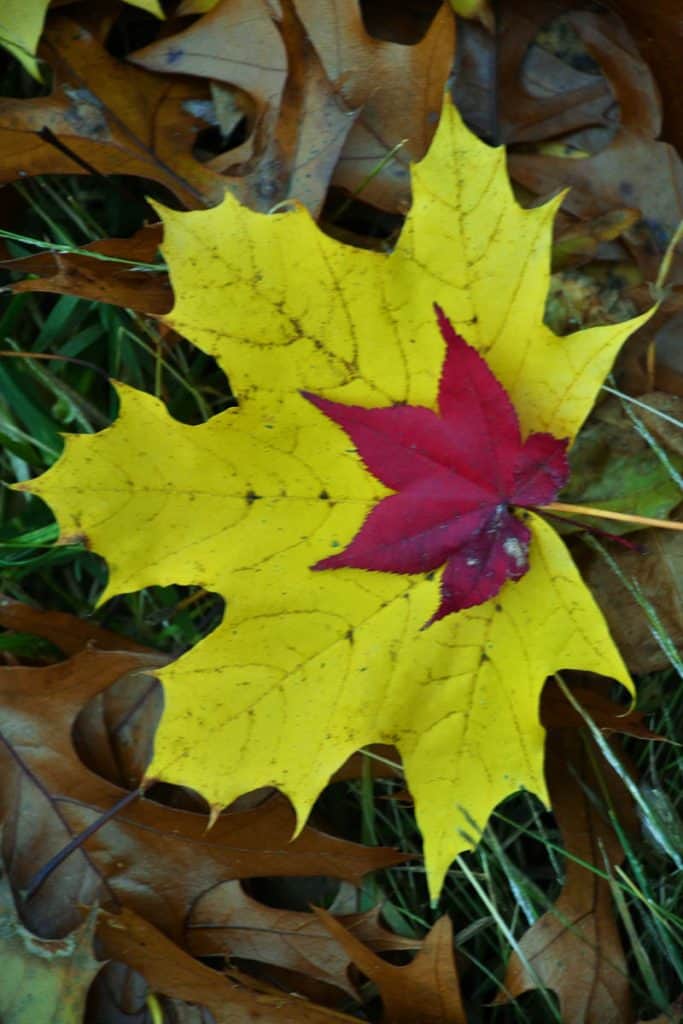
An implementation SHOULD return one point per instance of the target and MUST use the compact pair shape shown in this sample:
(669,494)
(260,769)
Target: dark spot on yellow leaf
(250,497)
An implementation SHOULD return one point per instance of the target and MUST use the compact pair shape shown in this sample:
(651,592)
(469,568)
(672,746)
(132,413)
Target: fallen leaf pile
(415,337)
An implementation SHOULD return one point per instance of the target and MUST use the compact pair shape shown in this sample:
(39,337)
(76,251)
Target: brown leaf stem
(44,873)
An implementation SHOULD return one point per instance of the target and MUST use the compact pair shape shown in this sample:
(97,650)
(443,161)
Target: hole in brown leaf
(559,63)
(113,734)
(16,82)
(293,893)
(212,141)
(406,23)
(349,219)
(182,798)
(132,29)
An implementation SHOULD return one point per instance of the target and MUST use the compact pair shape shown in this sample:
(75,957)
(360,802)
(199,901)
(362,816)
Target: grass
(518,868)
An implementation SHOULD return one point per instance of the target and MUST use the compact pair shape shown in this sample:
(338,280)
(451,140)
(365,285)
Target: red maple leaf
(458,475)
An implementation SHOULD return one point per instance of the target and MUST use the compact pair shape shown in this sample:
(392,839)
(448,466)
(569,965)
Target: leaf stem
(602,513)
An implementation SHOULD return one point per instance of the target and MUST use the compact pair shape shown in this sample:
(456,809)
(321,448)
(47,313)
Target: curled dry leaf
(299,130)
(131,940)
(541,96)
(68,273)
(398,90)
(658,32)
(113,119)
(118,995)
(634,169)
(575,948)
(329,96)
(426,990)
(226,921)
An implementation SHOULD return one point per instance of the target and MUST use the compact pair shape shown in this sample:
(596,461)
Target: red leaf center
(457,473)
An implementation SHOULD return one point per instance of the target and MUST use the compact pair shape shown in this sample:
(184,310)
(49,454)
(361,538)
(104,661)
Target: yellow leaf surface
(151,6)
(21,26)
(309,666)
(21,23)
(479,9)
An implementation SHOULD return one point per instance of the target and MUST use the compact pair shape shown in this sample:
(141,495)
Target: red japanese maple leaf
(457,474)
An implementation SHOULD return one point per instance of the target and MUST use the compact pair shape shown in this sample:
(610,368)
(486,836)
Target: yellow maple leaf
(21,26)
(309,666)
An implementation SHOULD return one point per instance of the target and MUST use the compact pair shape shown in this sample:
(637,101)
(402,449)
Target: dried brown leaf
(67,632)
(575,948)
(657,570)
(634,169)
(229,922)
(301,121)
(131,940)
(74,274)
(426,990)
(327,93)
(113,119)
(658,32)
(558,713)
(398,90)
(541,96)
(154,858)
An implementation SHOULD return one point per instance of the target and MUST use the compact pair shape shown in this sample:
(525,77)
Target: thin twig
(602,513)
